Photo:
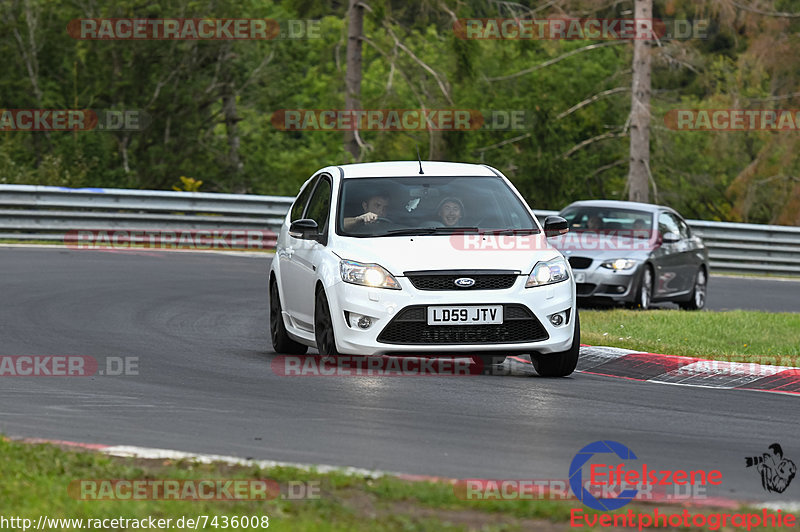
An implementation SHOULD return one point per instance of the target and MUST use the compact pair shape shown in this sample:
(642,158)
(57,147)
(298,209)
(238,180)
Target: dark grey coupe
(633,253)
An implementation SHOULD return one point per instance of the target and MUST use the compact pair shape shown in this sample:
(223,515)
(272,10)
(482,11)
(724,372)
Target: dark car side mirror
(670,238)
(555,226)
(304,229)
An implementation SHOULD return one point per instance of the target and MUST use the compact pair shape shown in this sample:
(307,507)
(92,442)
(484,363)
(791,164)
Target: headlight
(619,264)
(549,272)
(367,275)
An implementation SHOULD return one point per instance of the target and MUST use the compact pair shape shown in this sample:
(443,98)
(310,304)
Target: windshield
(378,207)
(637,224)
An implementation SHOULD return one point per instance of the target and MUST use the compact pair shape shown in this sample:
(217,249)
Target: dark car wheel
(563,363)
(323,326)
(697,299)
(281,342)
(644,294)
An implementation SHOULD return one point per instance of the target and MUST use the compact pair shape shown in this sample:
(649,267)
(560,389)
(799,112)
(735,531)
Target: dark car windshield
(636,223)
(378,207)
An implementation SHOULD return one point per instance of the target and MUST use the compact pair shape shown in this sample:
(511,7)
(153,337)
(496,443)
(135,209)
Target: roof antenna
(420,161)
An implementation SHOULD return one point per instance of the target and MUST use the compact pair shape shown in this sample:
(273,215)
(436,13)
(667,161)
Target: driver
(594,223)
(374,207)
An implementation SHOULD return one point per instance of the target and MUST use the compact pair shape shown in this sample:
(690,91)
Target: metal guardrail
(734,247)
(48,213)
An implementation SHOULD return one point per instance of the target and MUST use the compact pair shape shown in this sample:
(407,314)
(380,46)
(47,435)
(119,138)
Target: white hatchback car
(425,259)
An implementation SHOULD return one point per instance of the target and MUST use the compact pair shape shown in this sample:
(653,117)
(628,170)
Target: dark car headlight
(620,264)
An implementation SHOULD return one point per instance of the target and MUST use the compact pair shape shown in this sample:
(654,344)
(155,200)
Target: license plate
(580,277)
(465,315)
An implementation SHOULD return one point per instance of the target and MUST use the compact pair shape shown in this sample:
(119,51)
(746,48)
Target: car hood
(586,244)
(450,252)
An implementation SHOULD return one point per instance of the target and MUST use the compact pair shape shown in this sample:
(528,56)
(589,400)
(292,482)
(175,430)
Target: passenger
(450,211)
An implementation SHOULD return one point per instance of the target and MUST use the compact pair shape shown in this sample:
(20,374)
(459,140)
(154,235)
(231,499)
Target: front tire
(323,326)
(697,300)
(563,363)
(644,294)
(281,342)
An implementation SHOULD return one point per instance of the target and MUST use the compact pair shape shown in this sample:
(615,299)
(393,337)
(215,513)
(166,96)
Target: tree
(639,169)
(355,33)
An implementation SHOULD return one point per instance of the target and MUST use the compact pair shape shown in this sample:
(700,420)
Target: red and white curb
(129,451)
(683,371)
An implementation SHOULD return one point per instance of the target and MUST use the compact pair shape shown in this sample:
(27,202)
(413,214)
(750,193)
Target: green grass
(35,480)
(736,336)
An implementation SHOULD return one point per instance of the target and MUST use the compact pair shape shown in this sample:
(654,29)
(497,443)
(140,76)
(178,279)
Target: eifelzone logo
(621,484)
(776,471)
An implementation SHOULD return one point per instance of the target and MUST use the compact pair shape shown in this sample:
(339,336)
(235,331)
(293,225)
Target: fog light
(359,321)
(557,319)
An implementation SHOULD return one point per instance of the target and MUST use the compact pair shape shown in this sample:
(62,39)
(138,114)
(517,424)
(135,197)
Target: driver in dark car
(374,207)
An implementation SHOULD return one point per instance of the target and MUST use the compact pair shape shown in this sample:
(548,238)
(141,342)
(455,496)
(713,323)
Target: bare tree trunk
(352,80)
(639,170)
(235,164)
(29,53)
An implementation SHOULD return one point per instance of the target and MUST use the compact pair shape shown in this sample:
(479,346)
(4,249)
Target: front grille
(446,281)
(580,263)
(410,327)
(584,289)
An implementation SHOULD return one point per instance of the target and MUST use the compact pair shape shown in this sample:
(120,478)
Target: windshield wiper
(409,231)
(447,229)
(429,231)
(531,231)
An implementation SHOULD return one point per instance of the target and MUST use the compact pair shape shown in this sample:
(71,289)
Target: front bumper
(601,283)
(384,307)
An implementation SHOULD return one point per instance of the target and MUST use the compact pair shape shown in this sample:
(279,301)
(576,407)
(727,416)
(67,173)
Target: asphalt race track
(198,324)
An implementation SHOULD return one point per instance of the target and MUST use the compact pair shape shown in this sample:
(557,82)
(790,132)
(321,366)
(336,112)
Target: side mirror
(555,226)
(670,238)
(304,229)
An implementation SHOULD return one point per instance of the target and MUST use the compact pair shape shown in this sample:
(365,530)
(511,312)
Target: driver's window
(300,202)
(685,231)
(320,204)
(668,224)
